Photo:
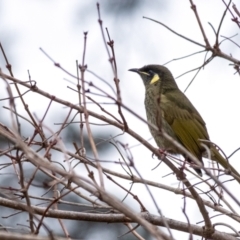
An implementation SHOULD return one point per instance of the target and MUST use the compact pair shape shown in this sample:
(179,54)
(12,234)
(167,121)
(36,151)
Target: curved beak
(134,70)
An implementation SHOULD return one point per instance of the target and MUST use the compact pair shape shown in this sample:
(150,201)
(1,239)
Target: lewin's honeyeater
(169,109)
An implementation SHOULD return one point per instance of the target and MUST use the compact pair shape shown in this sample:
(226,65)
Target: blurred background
(57,26)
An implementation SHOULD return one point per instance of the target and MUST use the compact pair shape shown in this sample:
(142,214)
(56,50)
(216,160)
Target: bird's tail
(216,156)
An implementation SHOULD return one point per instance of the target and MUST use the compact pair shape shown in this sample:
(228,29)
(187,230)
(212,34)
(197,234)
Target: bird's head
(156,75)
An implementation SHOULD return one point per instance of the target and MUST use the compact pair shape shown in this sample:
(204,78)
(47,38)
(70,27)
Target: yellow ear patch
(155,78)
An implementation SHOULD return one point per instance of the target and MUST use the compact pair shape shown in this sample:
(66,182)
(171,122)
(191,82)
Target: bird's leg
(183,165)
(163,153)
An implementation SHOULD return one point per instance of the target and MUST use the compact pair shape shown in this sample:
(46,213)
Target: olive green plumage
(168,108)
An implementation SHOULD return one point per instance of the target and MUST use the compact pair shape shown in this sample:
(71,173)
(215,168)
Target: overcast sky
(58,26)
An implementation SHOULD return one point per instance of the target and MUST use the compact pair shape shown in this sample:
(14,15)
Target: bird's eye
(151,73)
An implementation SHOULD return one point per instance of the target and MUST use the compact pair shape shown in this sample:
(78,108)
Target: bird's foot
(163,153)
(181,175)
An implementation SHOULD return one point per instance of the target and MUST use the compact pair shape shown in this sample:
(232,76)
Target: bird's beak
(136,70)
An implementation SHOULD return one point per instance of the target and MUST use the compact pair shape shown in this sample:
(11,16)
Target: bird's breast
(155,103)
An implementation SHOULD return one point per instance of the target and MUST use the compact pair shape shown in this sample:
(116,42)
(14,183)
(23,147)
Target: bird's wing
(185,121)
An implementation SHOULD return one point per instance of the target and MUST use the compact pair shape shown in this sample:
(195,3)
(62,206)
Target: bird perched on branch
(170,110)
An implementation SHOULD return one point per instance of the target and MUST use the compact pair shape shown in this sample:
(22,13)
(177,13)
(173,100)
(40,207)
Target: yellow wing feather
(186,123)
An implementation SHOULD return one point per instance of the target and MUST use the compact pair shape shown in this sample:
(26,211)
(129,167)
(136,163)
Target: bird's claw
(163,153)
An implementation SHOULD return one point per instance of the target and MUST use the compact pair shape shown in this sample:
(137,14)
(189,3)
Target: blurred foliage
(100,137)
(41,184)
(120,7)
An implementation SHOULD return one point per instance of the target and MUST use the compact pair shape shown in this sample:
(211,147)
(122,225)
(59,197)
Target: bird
(169,109)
